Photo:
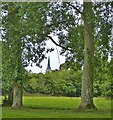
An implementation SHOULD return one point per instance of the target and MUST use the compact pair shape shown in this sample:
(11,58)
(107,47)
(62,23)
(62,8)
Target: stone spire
(48,65)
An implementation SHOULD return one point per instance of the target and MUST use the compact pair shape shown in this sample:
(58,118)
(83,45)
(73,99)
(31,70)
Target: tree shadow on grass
(49,108)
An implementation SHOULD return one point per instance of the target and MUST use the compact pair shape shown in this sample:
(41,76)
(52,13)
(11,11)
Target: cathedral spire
(48,65)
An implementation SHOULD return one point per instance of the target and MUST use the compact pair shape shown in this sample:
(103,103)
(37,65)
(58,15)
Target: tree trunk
(17,95)
(87,82)
(8,101)
(10,97)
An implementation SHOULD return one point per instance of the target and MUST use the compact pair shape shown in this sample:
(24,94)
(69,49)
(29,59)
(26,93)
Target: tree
(93,19)
(12,62)
(87,82)
(21,45)
(56,83)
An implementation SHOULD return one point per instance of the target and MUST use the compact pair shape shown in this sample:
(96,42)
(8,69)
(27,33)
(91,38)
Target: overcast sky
(54,60)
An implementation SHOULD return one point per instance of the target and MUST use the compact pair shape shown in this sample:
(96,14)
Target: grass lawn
(57,107)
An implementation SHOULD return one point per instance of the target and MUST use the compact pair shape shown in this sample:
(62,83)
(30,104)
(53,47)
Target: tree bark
(17,95)
(18,86)
(87,82)
(10,97)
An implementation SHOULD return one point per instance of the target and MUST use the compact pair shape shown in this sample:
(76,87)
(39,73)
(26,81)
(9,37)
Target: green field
(57,107)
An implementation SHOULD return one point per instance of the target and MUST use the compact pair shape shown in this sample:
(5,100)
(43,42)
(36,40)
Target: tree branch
(75,8)
(57,43)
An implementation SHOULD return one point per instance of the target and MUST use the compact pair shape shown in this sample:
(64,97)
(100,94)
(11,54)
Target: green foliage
(102,78)
(57,83)
(20,42)
(68,82)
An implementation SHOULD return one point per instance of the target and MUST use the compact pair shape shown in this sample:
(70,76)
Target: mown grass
(57,107)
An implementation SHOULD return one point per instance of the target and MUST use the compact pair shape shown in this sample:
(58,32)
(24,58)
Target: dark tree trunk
(17,95)
(87,82)
(8,101)
(10,97)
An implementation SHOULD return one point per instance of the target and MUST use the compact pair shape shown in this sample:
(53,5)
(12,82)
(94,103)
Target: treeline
(65,83)
(56,83)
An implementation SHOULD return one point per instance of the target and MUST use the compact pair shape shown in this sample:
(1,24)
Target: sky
(54,58)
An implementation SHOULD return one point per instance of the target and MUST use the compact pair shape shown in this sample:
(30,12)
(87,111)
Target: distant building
(48,64)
